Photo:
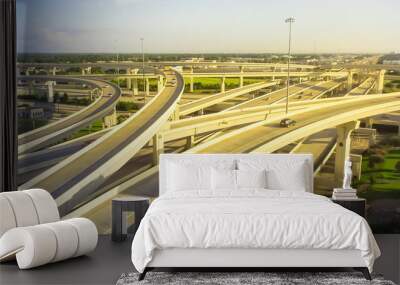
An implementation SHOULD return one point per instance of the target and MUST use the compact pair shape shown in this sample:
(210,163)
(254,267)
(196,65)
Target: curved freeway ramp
(54,132)
(81,174)
(277,95)
(364,88)
(197,105)
(262,137)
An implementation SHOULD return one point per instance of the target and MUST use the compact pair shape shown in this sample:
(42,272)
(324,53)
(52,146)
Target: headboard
(203,159)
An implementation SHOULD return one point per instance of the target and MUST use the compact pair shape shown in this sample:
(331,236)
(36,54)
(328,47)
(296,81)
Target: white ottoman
(31,232)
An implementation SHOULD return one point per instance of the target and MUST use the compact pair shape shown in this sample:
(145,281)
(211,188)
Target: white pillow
(293,181)
(291,175)
(184,178)
(251,178)
(223,179)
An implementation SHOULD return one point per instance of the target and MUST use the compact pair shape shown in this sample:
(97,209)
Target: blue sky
(203,26)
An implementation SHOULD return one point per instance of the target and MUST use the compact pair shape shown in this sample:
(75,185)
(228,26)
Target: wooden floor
(103,266)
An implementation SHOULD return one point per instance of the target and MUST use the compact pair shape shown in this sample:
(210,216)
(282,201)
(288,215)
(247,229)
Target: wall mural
(106,86)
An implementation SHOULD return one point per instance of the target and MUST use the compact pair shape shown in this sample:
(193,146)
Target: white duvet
(250,219)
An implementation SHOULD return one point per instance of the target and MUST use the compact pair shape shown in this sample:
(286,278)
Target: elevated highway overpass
(368,66)
(268,137)
(81,173)
(364,88)
(54,132)
(392,77)
(223,120)
(262,74)
(31,164)
(201,104)
(312,88)
(161,64)
(146,183)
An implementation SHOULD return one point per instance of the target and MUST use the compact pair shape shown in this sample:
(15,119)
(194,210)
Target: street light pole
(116,51)
(144,83)
(118,68)
(290,21)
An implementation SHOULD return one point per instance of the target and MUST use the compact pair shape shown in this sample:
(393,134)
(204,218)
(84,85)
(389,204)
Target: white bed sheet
(252,218)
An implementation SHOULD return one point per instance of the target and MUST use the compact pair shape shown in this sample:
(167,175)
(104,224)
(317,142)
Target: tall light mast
(290,21)
(144,83)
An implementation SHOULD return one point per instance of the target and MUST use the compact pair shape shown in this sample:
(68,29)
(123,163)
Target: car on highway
(286,123)
(171,83)
(106,86)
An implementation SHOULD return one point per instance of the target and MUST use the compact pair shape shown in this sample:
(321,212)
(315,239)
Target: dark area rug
(243,278)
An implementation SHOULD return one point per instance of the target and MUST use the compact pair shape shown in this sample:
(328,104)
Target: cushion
(251,178)
(223,179)
(189,174)
(281,174)
(45,205)
(7,217)
(189,177)
(23,208)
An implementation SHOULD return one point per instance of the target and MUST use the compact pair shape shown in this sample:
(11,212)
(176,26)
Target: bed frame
(246,258)
(242,259)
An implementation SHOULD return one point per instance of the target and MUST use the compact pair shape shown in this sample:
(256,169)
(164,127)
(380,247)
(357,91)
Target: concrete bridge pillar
(191,80)
(159,83)
(135,87)
(50,91)
(350,80)
(273,70)
(191,84)
(158,147)
(147,86)
(88,70)
(54,71)
(175,114)
(241,81)
(189,142)
(369,122)
(223,84)
(110,120)
(241,77)
(380,81)
(241,84)
(343,149)
(83,71)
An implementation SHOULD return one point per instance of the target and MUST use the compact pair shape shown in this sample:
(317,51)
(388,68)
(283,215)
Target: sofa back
(26,208)
(279,162)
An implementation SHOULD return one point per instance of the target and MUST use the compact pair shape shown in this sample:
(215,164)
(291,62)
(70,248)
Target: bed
(247,210)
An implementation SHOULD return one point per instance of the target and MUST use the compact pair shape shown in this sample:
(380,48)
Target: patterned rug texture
(253,278)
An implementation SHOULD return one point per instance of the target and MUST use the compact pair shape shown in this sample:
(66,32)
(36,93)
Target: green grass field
(94,127)
(391,86)
(383,179)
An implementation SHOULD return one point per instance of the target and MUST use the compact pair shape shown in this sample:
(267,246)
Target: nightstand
(355,205)
(120,206)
